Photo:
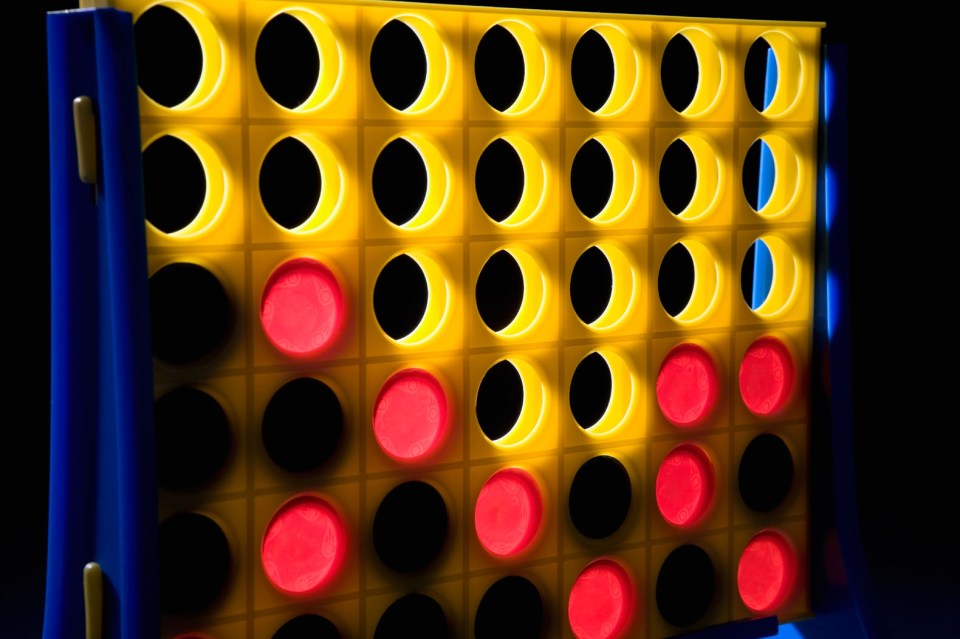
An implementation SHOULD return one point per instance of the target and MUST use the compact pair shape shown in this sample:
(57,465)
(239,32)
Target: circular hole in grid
(767,572)
(591,388)
(500,400)
(765,474)
(500,180)
(413,615)
(499,68)
(193,438)
(302,309)
(592,178)
(592,70)
(190,313)
(769,276)
(771,175)
(194,563)
(591,285)
(400,181)
(304,546)
(685,486)
(675,280)
(308,626)
(167,74)
(400,297)
(767,376)
(500,290)
(287,60)
(602,601)
(688,386)
(759,174)
(398,64)
(187,74)
(302,425)
(688,282)
(690,177)
(410,415)
(410,527)
(511,607)
(174,184)
(600,497)
(686,585)
(691,71)
(290,183)
(773,74)
(678,176)
(508,513)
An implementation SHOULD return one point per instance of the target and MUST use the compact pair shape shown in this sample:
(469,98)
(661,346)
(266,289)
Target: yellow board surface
(232,123)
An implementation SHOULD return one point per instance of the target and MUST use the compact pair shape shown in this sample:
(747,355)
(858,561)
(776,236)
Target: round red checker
(767,572)
(766,376)
(685,485)
(508,513)
(410,415)
(688,385)
(601,601)
(302,309)
(304,545)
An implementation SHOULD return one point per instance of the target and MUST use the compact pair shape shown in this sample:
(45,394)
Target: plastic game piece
(309,625)
(194,563)
(686,585)
(600,497)
(767,376)
(767,572)
(410,415)
(685,485)
(508,513)
(765,473)
(302,424)
(410,527)
(688,386)
(602,601)
(304,545)
(415,614)
(511,607)
(302,310)
(191,313)
(190,414)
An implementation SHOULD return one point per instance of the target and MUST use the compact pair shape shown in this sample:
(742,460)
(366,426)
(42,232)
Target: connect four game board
(476,322)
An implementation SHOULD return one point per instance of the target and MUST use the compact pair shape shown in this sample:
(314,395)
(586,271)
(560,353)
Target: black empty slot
(398,64)
(766,473)
(399,181)
(499,290)
(290,183)
(302,425)
(410,527)
(190,313)
(194,563)
(193,438)
(591,285)
(499,68)
(755,73)
(308,627)
(592,70)
(287,59)
(751,174)
(511,608)
(499,400)
(169,56)
(685,586)
(500,180)
(746,275)
(600,497)
(591,178)
(679,72)
(400,296)
(678,176)
(174,184)
(413,615)
(675,279)
(590,390)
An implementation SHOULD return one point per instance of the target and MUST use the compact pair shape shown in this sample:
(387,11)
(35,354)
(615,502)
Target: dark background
(901,210)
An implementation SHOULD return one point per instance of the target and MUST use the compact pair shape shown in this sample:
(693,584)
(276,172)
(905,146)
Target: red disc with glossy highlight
(602,601)
(685,486)
(688,386)
(767,376)
(410,415)
(302,309)
(767,573)
(508,512)
(304,545)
